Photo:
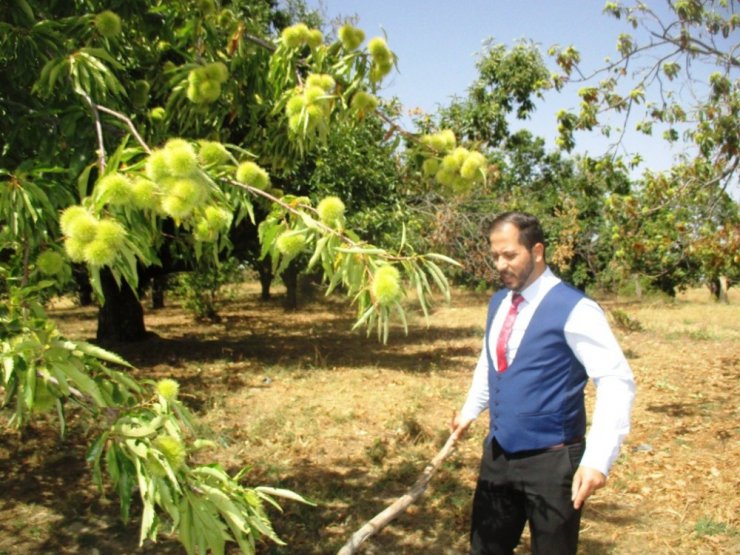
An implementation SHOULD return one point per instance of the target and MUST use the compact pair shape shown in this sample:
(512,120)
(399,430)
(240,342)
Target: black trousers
(534,487)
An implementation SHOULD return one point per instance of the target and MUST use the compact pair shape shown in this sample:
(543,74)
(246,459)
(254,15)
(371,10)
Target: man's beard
(518,280)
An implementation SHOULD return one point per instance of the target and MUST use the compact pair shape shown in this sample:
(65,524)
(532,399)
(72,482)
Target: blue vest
(538,401)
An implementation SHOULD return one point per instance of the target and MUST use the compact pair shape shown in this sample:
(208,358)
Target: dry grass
(308,405)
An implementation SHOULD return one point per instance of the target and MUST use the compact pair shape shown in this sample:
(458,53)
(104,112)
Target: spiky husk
(108,24)
(386,285)
(331,211)
(430,167)
(50,263)
(75,249)
(115,188)
(168,389)
(176,207)
(216,71)
(295,105)
(219,219)
(172,449)
(313,94)
(295,36)
(314,38)
(156,165)
(471,168)
(180,157)
(145,194)
(70,214)
(213,153)
(83,227)
(364,101)
(253,175)
(290,244)
(157,113)
(379,50)
(350,36)
(111,233)
(99,253)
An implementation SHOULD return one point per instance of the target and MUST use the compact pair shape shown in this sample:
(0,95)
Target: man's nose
(500,263)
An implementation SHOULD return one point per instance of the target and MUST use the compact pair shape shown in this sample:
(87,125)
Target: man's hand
(459,425)
(585,482)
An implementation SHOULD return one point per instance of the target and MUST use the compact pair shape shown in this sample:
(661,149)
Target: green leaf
(443,258)
(83,180)
(99,352)
(93,458)
(85,384)
(439,278)
(29,390)
(103,55)
(284,493)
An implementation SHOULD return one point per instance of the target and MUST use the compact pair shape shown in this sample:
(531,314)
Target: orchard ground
(309,405)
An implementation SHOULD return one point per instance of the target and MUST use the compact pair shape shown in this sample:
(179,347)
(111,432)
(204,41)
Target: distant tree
(675,70)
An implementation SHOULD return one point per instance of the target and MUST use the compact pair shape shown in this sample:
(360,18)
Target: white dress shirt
(588,335)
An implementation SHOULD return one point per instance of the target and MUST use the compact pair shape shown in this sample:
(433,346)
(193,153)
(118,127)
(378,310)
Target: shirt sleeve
(588,334)
(477,400)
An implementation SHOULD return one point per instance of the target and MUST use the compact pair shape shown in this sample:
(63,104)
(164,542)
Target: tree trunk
(121,317)
(638,286)
(666,285)
(159,285)
(84,289)
(265,271)
(290,279)
(722,290)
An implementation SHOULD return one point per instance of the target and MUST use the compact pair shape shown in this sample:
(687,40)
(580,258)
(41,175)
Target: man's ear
(539,252)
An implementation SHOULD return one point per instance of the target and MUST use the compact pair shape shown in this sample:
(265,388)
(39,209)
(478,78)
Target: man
(543,340)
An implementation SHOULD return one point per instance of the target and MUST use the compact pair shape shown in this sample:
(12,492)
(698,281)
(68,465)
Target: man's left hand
(585,482)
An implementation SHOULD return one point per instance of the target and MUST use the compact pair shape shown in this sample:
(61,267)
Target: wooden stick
(379,521)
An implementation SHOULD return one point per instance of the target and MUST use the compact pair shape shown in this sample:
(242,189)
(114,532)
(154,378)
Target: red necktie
(503,337)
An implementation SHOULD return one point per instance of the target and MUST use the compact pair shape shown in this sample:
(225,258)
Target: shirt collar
(538,286)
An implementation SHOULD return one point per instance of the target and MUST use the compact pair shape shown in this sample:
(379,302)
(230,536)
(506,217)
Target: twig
(380,520)
(73,391)
(259,42)
(324,228)
(128,122)
(98,131)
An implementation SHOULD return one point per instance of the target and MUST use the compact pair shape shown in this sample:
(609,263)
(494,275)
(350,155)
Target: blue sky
(437,43)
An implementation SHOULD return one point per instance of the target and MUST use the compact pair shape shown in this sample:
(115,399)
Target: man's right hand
(459,425)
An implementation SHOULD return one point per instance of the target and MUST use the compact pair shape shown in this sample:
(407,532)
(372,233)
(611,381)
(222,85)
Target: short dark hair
(530,230)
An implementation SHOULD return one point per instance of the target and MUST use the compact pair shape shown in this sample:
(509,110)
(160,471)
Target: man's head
(518,248)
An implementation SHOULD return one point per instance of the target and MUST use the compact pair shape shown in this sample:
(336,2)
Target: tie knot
(516,300)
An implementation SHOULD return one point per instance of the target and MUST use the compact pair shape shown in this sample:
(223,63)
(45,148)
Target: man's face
(517,265)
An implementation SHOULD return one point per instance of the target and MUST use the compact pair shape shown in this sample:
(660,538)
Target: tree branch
(379,521)
(98,131)
(129,123)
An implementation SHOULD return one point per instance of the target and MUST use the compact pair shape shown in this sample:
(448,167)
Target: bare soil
(309,405)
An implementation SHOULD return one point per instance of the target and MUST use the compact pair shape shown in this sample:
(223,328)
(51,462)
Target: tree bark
(84,289)
(159,285)
(265,271)
(121,317)
(290,279)
(722,290)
